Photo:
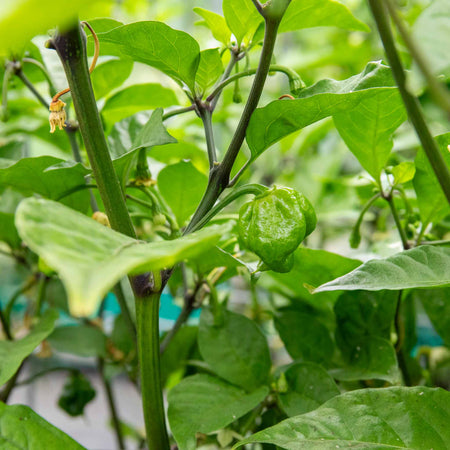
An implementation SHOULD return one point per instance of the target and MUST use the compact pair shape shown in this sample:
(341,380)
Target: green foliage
(14,352)
(234,347)
(91,258)
(77,393)
(373,418)
(22,429)
(424,266)
(204,404)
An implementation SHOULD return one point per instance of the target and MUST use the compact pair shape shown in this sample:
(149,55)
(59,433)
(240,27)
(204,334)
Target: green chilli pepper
(274,224)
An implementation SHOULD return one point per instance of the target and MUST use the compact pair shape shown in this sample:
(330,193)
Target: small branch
(258,6)
(400,330)
(21,290)
(411,103)
(118,292)
(205,115)
(178,111)
(31,87)
(11,384)
(390,199)
(111,404)
(293,76)
(240,172)
(440,242)
(40,66)
(5,325)
(235,57)
(437,89)
(43,281)
(139,201)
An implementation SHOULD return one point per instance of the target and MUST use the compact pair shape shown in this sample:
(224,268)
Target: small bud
(101,218)
(57,116)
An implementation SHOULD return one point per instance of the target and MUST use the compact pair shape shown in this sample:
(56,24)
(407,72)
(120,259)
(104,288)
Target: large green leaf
(235,348)
(361,315)
(204,404)
(432,203)
(173,52)
(12,353)
(420,267)
(306,338)
(138,97)
(393,418)
(318,13)
(313,267)
(36,175)
(22,429)
(308,386)
(110,75)
(91,258)
(326,98)
(437,306)
(182,187)
(216,23)
(81,340)
(20,21)
(8,232)
(242,18)
(373,358)
(368,127)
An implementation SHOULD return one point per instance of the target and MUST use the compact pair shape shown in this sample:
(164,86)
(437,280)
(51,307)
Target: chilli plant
(221,183)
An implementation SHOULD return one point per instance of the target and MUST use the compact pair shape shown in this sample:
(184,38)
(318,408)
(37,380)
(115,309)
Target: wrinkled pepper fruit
(274,224)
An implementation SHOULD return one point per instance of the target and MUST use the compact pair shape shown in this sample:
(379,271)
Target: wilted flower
(57,116)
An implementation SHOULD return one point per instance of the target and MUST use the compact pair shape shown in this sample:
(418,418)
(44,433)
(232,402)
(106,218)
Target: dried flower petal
(57,116)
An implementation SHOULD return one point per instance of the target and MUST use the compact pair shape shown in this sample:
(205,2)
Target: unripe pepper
(274,224)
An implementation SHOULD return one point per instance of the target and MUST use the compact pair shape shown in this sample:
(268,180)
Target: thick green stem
(438,90)
(71,48)
(112,404)
(220,175)
(411,103)
(147,314)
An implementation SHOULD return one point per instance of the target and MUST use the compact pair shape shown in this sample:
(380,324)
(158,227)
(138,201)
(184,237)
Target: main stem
(71,48)
(147,314)
(411,103)
(220,175)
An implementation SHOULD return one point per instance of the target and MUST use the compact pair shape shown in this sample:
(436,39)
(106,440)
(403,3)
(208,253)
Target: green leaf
(33,175)
(433,205)
(306,14)
(326,98)
(361,315)
(110,75)
(204,404)
(8,232)
(308,386)
(242,18)
(173,52)
(306,338)
(430,32)
(182,187)
(216,23)
(373,358)
(437,306)
(368,127)
(77,393)
(12,353)
(21,21)
(91,258)
(311,267)
(369,418)
(80,340)
(235,348)
(129,135)
(138,97)
(424,266)
(22,429)
(403,172)
(173,153)
(209,69)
